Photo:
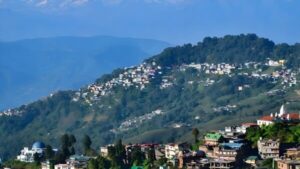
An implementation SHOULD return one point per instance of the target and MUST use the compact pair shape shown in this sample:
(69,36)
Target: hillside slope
(34,68)
(220,81)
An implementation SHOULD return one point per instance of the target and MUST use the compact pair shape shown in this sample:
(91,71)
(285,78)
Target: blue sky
(174,21)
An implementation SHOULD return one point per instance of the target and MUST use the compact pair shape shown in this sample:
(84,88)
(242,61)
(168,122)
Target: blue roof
(232,145)
(38,145)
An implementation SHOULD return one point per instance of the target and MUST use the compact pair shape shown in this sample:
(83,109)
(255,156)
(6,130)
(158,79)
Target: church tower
(282,111)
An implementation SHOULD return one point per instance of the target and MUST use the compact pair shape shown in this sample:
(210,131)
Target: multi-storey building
(288,164)
(172,150)
(268,148)
(212,139)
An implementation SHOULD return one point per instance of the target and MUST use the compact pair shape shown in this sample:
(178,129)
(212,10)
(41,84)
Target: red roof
(293,116)
(267,118)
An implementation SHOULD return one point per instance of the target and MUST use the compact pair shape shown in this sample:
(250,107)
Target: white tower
(282,111)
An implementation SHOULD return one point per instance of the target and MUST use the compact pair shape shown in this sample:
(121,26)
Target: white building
(46,165)
(283,116)
(172,150)
(62,166)
(74,162)
(265,120)
(27,155)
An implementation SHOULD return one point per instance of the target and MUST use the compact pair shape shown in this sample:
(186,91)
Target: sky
(174,21)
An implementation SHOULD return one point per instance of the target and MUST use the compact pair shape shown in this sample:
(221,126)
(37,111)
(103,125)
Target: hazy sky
(175,21)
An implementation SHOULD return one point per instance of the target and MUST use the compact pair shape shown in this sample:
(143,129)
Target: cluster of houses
(136,121)
(141,75)
(222,149)
(228,149)
(74,162)
(287,77)
(167,81)
(138,77)
(11,112)
(220,69)
(228,108)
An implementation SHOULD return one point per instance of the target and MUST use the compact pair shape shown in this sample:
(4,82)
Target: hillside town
(228,148)
(274,71)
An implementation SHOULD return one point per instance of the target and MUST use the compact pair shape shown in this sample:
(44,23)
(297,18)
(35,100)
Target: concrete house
(268,148)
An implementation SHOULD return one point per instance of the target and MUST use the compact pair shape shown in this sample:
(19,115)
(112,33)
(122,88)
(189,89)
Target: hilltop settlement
(249,145)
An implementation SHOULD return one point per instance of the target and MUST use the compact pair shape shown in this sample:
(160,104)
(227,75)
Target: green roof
(213,136)
(137,167)
(252,158)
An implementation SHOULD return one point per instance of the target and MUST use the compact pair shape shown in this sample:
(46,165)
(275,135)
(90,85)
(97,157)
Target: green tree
(147,164)
(93,164)
(103,163)
(86,142)
(49,153)
(72,151)
(72,139)
(67,147)
(65,140)
(59,157)
(137,156)
(151,155)
(195,133)
(37,158)
(117,155)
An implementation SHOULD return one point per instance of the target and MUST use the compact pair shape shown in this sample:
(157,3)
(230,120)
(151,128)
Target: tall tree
(67,146)
(87,142)
(65,140)
(65,152)
(195,133)
(137,156)
(72,151)
(49,153)
(151,154)
(72,139)
(37,158)
(117,154)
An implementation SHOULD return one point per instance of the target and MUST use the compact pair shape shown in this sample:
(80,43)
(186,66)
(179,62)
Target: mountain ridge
(213,83)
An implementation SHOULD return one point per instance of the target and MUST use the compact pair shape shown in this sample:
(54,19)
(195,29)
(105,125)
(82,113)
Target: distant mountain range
(34,68)
(217,82)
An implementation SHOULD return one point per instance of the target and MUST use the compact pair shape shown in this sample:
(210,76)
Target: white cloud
(80,2)
(66,3)
(41,3)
